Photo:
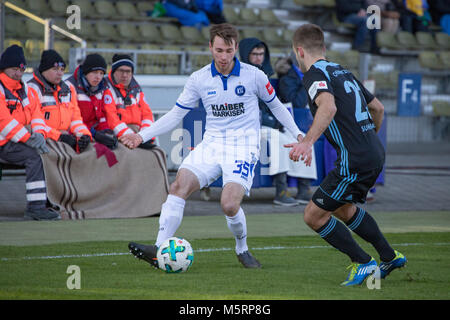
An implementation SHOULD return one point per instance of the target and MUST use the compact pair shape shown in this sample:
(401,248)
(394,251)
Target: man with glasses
(130,113)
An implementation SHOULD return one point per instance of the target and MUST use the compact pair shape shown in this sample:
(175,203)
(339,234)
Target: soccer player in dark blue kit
(350,117)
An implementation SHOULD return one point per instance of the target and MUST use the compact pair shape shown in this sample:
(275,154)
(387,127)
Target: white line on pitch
(110,254)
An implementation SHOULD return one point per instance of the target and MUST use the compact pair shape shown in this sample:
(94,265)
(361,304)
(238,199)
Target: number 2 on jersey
(361,112)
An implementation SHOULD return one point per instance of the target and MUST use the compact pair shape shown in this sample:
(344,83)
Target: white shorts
(211,159)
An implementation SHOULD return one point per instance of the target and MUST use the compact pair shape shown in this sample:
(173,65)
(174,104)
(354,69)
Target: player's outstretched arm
(164,124)
(284,116)
(322,119)
(376,110)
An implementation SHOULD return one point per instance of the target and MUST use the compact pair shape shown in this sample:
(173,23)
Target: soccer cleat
(146,253)
(248,260)
(387,267)
(359,272)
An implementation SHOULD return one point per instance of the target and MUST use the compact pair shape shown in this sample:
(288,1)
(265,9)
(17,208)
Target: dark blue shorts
(336,190)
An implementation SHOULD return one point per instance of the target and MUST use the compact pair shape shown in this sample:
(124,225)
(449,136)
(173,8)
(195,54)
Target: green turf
(304,268)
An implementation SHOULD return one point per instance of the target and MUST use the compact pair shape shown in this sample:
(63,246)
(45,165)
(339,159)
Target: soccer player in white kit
(229,91)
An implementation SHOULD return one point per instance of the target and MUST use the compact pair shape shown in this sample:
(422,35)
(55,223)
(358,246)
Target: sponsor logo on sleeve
(269,88)
(317,85)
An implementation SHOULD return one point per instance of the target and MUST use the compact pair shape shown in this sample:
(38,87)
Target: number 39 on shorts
(244,168)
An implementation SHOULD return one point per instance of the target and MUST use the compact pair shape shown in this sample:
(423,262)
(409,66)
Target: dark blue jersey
(352,130)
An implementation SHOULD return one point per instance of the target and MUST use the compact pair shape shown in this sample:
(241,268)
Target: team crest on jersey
(240,90)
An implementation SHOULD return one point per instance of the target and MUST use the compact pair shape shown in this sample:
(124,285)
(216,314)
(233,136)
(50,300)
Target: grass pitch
(294,267)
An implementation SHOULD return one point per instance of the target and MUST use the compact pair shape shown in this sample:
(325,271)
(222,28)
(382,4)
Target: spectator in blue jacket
(186,12)
(213,9)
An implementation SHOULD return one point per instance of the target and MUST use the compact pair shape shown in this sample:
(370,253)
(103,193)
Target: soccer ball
(175,255)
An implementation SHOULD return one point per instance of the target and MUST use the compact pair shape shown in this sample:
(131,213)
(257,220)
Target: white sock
(170,218)
(238,226)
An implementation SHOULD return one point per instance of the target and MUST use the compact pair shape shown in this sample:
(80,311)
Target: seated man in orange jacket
(59,102)
(19,108)
(130,108)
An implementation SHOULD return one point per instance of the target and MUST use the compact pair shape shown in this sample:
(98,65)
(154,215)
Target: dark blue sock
(337,235)
(365,226)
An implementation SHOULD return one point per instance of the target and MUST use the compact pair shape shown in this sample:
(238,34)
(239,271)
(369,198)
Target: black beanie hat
(121,60)
(49,59)
(93,62)
(13,57)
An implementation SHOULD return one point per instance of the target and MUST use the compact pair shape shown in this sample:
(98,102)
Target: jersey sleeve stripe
(274,96)
(183,107)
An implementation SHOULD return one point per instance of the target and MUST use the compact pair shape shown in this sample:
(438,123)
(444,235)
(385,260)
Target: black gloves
(83,143)
(69,139)
(147,145)
(107,138)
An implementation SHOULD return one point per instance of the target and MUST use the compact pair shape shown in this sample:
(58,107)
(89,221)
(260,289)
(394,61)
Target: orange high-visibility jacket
(129,107)
(19,106)
(59,107)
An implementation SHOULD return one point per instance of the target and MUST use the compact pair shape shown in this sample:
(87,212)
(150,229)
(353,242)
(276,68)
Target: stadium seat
(443,40)
(250,33)
(334,56)
(326,3)
(305,3)
(192,35)
(445,59)
(63,47)
(287,36)
(87,30)
(33,50)
(232,15)
(171,33)
(106,55)
(13,26)
(425,40)
(150,58)
(407,40)
(87,9)
(248,16)
(274,37)
(441,107)
(385,80)
(128,31)
(127,10)
(430,60)
(38,7)
(268,17)
(106,31)
(34,29)
(351,59)
(143,7)
(58,7)
(105,9)
(149,33)
(9,42)
(387,40)
(205,32)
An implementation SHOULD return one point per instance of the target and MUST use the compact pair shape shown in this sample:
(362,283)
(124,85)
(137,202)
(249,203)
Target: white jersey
(231,102)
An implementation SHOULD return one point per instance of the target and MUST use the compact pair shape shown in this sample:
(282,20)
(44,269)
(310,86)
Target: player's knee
(177,189)
(312,217)
(230,208)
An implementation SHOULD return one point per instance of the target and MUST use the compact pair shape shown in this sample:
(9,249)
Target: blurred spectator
(291,89)
(390,15)
(91,88)
(354,12)
(186,12)
(129,112)
(213,9)
(414,15)
(255,52)
(59,102)
(440,13)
